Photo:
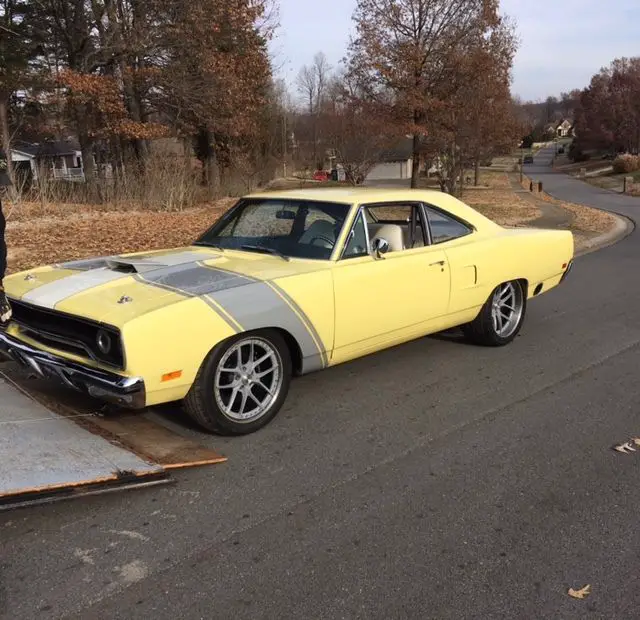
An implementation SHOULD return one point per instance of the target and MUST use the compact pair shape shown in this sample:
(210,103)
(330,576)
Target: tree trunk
(476,173)
(6,138)
(212,174)
(86,147)
(415,164)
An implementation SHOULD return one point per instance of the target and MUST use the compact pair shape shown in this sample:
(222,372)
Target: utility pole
(284,143)
(521,162)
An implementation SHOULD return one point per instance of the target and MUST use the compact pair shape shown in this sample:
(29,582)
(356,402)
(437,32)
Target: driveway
(434,480)
(571,189)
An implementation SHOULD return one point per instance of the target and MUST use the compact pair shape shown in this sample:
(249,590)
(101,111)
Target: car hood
(117,289)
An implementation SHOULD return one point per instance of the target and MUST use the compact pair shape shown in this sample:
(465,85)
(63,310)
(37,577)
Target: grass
(565,165)
(613,181)
(586,219)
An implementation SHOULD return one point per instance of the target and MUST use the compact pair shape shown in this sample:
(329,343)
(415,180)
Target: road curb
(623,227)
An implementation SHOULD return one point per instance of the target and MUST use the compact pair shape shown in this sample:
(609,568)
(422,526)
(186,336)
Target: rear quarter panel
(479,265)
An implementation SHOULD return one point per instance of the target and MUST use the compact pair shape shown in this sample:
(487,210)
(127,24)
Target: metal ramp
(47,455)
(43,454)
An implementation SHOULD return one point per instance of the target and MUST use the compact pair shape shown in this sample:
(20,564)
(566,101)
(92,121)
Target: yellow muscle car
(282,284)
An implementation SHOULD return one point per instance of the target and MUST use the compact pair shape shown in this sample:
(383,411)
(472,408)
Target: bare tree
(413,49)
(312,83)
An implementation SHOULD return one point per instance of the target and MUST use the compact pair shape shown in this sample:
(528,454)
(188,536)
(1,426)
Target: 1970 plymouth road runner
(284,283)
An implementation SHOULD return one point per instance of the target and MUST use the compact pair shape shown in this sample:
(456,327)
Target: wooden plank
(155,442)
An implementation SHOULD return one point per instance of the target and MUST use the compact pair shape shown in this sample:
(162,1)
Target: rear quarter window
(445,228)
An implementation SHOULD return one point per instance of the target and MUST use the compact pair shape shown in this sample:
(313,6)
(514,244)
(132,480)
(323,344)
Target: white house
(59,160)
(564,128)
(394,163)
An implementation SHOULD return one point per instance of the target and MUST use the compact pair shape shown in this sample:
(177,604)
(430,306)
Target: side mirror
(380,246)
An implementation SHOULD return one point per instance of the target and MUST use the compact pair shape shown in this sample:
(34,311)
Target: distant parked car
(528,159)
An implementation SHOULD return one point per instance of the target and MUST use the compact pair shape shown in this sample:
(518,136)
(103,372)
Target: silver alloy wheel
(248,379)
(506,309)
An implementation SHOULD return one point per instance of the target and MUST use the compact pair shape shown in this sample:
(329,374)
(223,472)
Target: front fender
(175,340)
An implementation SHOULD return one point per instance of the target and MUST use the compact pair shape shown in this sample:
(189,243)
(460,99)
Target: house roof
(50,148)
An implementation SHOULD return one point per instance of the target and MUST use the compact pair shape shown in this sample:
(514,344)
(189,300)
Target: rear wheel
(501,317)
(242,384)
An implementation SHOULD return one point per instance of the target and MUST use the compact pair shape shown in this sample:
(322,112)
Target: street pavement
(433,480)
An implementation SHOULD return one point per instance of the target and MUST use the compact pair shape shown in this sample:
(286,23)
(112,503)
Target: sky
(562,42)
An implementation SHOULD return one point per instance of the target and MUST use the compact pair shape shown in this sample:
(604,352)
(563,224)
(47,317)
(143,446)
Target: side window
(391,213)
(445,228)
(357,241)
(407,216)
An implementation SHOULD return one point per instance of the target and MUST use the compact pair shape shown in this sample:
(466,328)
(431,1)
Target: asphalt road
(434,480)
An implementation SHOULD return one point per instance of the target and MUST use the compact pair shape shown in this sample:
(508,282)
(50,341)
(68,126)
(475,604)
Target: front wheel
(242,384)
(501,317)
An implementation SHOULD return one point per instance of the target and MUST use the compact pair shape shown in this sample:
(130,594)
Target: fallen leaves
(624,447)
(627,446)
(51,240)
(504,208)
(585,219)
(581,593)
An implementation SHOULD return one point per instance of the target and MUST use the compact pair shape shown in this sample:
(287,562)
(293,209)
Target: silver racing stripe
(258,305)
(195,279)
(221,313)
(246,303)
(308,324)
(51,294)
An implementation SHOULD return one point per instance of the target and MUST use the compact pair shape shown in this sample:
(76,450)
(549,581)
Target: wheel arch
(524,282)
(293,346)
(295,350)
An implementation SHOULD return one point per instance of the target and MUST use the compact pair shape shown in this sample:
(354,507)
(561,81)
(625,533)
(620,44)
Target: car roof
(350,195)
(366,195)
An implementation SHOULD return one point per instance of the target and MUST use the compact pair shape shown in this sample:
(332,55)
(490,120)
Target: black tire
(482,330)
(201,403)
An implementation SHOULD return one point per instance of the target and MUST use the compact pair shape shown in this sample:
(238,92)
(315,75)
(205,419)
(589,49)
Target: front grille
(65,332)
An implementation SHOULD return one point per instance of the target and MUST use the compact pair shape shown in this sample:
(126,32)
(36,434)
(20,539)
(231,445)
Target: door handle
(438,262)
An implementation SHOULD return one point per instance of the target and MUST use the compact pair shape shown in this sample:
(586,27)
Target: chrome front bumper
(126,392)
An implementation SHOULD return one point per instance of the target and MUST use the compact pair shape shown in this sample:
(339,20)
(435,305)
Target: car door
(467,260)
(387,299)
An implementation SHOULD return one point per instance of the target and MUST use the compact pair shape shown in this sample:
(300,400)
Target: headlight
(104,342)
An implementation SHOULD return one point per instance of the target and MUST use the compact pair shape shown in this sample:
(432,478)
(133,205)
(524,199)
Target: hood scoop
(133,266)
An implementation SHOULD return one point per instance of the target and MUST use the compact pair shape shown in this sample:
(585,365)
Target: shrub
(527,142)
(582,156)
(626,163)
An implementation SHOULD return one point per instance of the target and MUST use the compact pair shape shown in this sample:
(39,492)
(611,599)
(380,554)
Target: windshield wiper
(204,244)
(264,248)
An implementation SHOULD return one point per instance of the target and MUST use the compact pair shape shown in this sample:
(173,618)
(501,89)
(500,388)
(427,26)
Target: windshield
(283,227)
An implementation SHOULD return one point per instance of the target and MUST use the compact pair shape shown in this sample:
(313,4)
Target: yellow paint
(377,297)
(101,303)
(356,306)
(178,336)
(18,286)
(313,294)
